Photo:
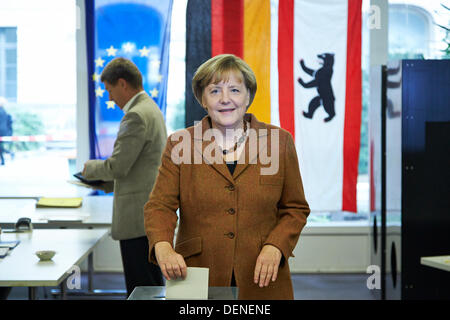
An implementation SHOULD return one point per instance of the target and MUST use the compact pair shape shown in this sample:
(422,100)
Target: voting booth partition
(409,131)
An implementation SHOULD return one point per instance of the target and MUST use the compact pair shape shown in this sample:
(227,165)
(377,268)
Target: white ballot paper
(193,287)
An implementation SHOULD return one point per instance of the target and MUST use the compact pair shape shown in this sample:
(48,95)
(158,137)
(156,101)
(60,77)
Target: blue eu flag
(135,29)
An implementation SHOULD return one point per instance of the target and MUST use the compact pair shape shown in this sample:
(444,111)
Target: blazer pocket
(189,247)
(275,181)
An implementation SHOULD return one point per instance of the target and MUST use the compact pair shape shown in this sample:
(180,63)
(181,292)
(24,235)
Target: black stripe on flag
(198,50)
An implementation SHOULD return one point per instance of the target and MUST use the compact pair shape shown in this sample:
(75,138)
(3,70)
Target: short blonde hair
(218,69)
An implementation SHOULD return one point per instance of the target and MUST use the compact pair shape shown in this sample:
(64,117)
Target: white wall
(107,256)
(332,249)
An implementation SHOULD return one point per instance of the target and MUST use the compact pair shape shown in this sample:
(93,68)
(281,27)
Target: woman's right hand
(171,263)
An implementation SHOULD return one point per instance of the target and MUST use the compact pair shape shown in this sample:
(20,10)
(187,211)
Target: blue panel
(139,31)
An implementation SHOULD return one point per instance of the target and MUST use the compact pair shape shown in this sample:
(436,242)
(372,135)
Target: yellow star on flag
(111,51)
(128,47)
(96,77)
(110,104)
(99,92)
(144,52)
(154,93)
(160,77)
(156,63)
(99,62)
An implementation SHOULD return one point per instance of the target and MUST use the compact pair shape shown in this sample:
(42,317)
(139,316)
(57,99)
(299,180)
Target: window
(38,80)
(8,63)
(417,29)
(409,32)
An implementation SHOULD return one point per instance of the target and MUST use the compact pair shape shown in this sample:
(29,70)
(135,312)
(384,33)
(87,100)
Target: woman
(240,216)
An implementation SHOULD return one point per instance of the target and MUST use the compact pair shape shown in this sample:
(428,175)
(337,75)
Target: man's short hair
(122,68)
(218,69)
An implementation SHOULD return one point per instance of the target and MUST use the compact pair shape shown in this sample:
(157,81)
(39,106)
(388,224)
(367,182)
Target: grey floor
(306,287)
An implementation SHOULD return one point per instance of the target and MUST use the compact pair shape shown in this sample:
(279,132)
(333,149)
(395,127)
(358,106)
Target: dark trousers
(137,269)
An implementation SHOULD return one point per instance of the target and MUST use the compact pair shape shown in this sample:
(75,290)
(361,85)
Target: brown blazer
(226,220)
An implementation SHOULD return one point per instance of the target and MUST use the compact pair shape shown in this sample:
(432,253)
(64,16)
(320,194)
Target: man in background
(133,166)
(5,128)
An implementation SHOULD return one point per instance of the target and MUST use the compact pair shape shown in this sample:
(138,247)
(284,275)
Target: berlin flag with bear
(306,56)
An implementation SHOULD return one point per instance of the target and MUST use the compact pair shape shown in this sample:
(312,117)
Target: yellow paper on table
(59,202)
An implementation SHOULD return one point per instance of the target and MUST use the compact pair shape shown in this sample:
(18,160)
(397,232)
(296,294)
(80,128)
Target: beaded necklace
(239,142)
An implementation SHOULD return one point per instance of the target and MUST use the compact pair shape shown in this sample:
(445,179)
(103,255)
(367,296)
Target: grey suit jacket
(133,166)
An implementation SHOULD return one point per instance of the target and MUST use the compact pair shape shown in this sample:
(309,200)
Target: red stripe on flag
(286,65)
(352,124)
(227,27)
(217,26)
(234,27)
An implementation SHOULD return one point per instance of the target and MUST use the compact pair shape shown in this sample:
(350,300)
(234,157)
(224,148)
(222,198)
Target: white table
(95,212)
(439,262)
(22,268)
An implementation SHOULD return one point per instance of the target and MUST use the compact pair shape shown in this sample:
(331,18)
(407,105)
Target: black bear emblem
(322,80)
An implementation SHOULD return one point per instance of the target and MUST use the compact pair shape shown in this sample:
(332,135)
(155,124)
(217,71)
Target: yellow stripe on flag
(257,53)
